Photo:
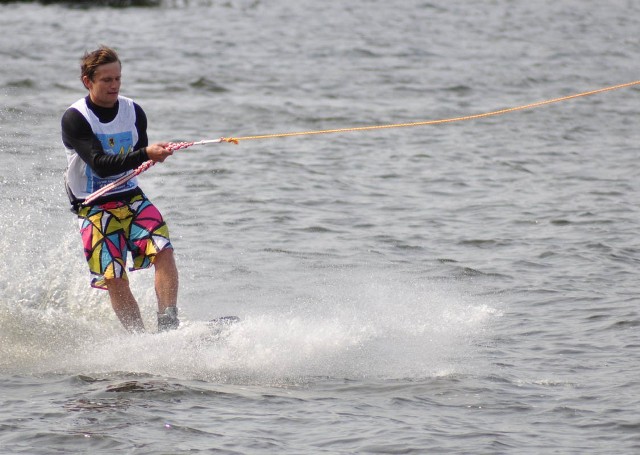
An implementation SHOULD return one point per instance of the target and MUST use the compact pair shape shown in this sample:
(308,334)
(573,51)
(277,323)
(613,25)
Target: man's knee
(164,259)
(117,284)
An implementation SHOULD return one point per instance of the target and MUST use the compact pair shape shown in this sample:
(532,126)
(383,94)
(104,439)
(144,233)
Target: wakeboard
(221,325)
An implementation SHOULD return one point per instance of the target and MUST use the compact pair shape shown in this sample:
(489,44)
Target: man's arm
(77,135)
(141,126)
(157,152)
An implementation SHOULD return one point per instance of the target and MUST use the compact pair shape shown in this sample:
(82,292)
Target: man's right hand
(159,151)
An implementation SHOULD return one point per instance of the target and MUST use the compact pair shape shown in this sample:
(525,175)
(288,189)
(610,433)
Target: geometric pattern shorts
(112,230)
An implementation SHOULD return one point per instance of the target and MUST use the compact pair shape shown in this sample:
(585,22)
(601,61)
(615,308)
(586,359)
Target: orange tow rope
(235,140)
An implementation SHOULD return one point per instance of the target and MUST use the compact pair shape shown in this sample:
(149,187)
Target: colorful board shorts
(110,231)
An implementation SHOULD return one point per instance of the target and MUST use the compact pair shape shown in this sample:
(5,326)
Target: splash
(354,328)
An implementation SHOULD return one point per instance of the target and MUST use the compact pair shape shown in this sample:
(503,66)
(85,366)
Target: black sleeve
(141,125)
(77,135)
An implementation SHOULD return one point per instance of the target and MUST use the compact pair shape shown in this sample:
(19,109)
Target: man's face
(105,86)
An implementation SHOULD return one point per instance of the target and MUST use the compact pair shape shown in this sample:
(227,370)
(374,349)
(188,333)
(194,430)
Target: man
(105,135)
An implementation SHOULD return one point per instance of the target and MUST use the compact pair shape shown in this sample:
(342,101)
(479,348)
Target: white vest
(117,137)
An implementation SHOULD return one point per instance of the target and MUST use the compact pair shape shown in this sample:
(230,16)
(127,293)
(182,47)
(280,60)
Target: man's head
(100,74)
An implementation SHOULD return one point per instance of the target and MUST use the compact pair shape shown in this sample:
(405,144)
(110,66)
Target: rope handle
(173,146)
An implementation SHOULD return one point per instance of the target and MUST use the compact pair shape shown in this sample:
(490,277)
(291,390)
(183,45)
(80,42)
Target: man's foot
(168,320)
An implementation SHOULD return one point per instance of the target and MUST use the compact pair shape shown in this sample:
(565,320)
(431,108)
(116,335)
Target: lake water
(461,288)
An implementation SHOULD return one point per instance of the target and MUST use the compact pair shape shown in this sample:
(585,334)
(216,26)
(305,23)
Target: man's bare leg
(166,283)
(124,304)
(166,280)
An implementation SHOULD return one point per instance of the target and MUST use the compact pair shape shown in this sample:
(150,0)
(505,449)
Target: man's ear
(86,81)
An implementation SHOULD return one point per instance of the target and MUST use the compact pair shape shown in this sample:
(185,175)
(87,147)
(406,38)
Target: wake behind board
(223,321)
(220,325)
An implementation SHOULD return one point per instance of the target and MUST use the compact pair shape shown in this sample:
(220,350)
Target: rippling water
(460,288)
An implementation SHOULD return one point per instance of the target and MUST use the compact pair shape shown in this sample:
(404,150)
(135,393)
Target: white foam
(358,326)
